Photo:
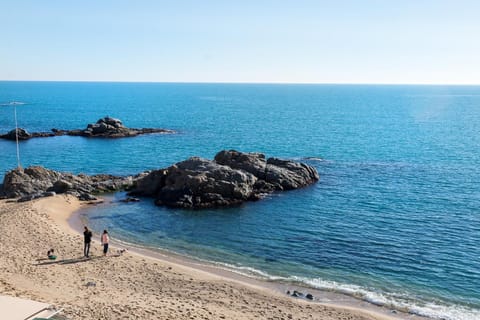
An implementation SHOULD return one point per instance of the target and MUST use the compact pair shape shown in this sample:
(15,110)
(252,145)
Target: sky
(282,41)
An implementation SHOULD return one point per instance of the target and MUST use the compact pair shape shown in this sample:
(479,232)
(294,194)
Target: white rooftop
(23,309)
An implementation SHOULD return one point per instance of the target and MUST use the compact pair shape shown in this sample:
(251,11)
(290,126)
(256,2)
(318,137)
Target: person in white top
(105,239)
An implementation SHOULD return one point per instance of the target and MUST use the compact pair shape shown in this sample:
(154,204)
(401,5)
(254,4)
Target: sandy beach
(131,285)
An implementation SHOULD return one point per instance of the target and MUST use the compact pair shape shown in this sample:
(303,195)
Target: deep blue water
(394,219)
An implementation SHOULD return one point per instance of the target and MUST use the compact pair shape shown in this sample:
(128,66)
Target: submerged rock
(130,199)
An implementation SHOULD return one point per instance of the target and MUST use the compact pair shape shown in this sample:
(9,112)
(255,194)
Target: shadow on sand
(44,262)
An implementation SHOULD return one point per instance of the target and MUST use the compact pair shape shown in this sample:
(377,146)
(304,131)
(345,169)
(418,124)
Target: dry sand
(128,286)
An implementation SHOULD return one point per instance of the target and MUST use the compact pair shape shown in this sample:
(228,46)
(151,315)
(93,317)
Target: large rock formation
(197,183)
(34,182)
(232,178)
(104,128)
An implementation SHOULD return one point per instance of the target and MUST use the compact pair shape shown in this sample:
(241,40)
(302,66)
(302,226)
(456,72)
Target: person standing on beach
(105,240)
(87,236)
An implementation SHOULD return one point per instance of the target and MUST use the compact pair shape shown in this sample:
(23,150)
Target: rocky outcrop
(104,128)
(254,163)
(112,128)
(34,182)
(288,175)
(232,178)
(22,135)
(25,135)
(197,183)
(280,174)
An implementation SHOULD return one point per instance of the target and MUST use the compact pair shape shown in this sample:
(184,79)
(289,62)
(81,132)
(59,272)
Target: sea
(393,220)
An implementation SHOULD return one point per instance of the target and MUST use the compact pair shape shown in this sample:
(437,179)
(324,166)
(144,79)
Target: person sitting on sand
(51,254)
(105,239)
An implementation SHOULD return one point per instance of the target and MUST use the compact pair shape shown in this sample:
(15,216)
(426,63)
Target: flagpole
(16,137)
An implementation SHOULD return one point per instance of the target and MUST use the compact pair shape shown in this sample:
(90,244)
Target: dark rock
(28,197)
(113,128)
(309,296)
(61,186)
(196,183)
(22,135)
(264,187)
(288,175)
(86,197)
(296,294)
(253,163)
(74,193)
(30,183)
(32,180)
(130,199)
(25,135)
(105,128)
(231,179)
(149,183)
(78,132)
(44,134)
(116,123)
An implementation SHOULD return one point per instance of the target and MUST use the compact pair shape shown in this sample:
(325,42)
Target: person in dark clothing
(87,235)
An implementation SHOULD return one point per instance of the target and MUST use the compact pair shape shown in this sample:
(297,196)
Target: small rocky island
(106,127)
(230,179)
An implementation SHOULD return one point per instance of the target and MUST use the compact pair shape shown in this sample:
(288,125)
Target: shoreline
(327,298)
(141,283)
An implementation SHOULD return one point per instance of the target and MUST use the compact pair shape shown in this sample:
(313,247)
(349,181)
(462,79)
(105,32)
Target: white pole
(16,137)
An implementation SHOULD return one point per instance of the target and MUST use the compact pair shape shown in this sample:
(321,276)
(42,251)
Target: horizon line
(253,82)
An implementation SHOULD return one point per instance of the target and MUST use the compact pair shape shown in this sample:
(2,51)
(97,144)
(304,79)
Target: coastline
(153,284)
(75,224)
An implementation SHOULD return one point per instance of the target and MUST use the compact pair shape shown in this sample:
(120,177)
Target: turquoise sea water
(394,219)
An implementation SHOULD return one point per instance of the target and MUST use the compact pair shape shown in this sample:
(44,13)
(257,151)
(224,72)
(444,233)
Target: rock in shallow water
(21,133)
(106,127)
(232,178)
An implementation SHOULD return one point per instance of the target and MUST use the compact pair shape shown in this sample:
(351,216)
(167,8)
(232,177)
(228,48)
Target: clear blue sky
(337,41)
